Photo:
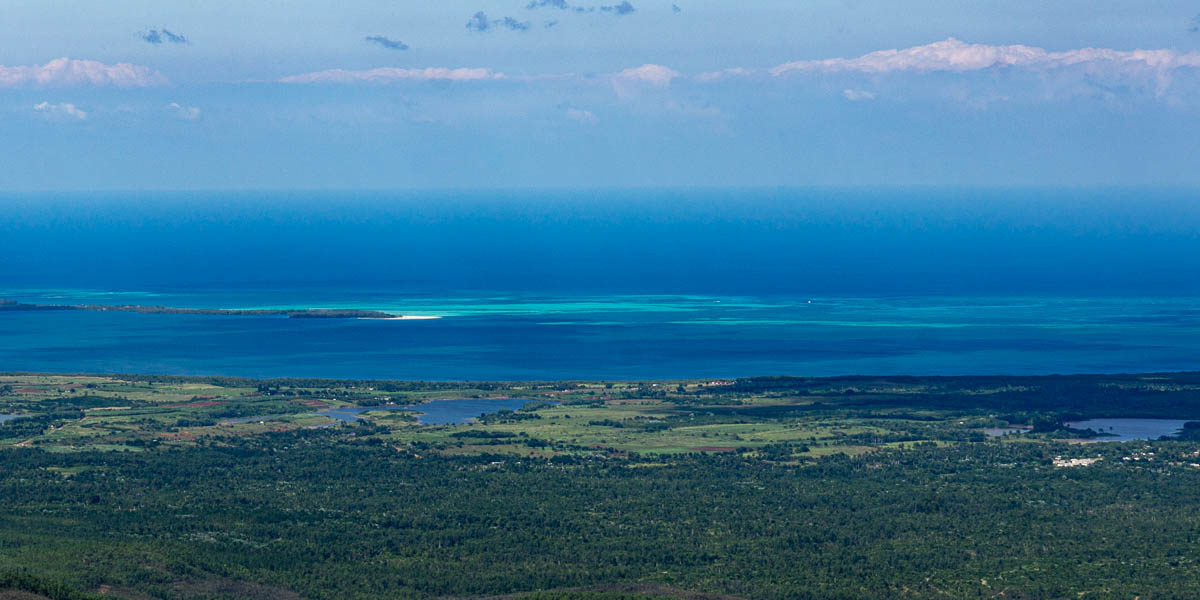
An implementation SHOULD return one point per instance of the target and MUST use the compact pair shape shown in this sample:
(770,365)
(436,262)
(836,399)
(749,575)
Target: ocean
(609,284)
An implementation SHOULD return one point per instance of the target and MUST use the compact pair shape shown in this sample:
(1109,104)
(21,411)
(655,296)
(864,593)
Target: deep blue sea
(609,284)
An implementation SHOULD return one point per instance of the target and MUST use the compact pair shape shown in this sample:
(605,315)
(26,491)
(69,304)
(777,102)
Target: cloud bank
(390,74)
(66,72)
(957,56)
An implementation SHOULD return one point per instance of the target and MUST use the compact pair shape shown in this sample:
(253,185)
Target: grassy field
(805,419)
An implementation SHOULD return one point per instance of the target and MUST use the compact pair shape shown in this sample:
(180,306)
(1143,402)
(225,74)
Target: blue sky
(274,94)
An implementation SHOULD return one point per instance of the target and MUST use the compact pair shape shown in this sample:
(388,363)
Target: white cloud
(1078,72)
(631,83)
(389,74)
(958,56)
(60,112)
(580,115)
(858,95)
(719,75)
(656,75)
(190,113)
(63,72)
(1027,69)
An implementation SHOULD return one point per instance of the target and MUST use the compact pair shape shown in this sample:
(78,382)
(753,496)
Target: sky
(401,94)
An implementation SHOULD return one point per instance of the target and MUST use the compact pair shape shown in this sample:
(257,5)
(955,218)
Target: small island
(303,313)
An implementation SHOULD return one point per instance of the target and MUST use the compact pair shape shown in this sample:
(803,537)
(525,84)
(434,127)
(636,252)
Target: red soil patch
(314,403)
(715,448)
(28,391)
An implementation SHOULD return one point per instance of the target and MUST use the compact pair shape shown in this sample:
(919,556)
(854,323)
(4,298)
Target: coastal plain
(148,486)
(802,417)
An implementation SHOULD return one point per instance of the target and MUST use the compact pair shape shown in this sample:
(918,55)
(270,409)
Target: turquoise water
(610,284)
(625,337)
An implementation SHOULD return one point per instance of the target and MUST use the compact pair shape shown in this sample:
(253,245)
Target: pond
(438,412)
(4,418)
(253,419)
(1003,431)
(1124,430)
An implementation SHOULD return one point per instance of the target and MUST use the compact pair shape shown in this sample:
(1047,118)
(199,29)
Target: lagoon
(1125,430)
(618,337)
(1003,431)
(438,412)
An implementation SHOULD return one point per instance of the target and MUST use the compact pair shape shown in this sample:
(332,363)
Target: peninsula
(303,313)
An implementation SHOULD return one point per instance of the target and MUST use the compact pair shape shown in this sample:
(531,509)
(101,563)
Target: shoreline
(755,381)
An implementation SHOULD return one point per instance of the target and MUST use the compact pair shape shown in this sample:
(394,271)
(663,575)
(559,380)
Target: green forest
(764,488)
